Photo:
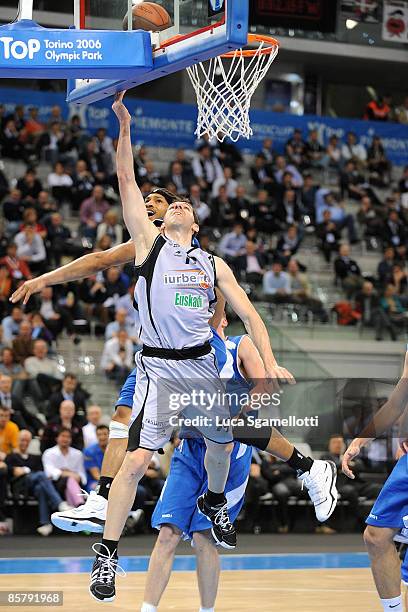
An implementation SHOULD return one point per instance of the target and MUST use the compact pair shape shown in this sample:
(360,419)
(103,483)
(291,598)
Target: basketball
(148,16)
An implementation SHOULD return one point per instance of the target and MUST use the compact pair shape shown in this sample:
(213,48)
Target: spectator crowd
(257,215)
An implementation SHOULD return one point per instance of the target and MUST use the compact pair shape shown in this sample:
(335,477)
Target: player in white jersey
(176,348)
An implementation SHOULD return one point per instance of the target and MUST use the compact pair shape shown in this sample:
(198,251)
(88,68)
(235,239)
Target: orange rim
(255,38)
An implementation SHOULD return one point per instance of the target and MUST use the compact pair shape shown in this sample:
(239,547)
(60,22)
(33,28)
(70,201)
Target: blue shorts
(187,480)
(127,392)
(392,503)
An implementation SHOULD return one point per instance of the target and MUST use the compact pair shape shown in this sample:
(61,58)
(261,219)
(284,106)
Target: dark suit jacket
(345,268)
(55,400)
(49,438)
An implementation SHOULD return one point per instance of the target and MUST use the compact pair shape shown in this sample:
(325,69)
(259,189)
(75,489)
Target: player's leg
(208,569)
(92,515)
(319,477)
(121,498)
(383,522)
(213,503)
(177,504)
(404,577)
(160,565)
(385,565)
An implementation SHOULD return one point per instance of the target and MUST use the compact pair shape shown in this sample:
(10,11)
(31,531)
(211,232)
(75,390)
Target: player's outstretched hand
(278,374)
(350,454)
(27,289)
(119,108)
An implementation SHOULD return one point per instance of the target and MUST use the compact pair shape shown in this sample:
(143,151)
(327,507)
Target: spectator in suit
(19,414)
(296,149)
(308,195)
(288,243)
(180,177)
(72,391)
(393,230)
(10,367)
(328,235)
(403,184)
(338,215)
(30,186)
(13,210)
(288,211)
(352,182)
(253,263)
(94,419)
(314,150)
(262,175)
(223,210)
(348,271)
(93,456)
(28,478)
(206,168)
(67,419)
(370,218)
(65,466)
(333,152)
(58,240)
(386,265)
(268,152)
(367,304)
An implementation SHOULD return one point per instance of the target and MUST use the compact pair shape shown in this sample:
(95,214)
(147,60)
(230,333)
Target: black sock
(104,486)
(112,546)
(214,499)
(299,462)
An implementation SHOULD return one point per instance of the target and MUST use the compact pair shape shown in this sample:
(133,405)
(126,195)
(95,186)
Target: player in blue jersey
(176,514)
(386,517)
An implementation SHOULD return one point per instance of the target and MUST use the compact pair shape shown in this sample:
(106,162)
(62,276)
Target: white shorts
(169,392)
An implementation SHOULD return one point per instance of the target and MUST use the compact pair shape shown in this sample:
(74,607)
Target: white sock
(394,604)
(206,609)
(148,608)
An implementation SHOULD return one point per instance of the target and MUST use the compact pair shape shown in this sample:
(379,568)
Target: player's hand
(27,289)
(350,454)
(276,374)
(120,109)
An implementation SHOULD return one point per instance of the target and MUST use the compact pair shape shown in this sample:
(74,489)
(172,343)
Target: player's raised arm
(76,270)
(382,421)
(136,218)
(239,302)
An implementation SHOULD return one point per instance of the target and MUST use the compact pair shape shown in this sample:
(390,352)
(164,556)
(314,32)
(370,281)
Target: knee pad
(118,431)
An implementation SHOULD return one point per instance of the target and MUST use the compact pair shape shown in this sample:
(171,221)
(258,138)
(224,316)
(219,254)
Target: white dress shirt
(54,462)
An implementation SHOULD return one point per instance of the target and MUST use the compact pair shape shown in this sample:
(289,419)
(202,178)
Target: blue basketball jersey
(237,387)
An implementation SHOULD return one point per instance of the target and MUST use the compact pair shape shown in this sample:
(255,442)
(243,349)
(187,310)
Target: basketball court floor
(283,582)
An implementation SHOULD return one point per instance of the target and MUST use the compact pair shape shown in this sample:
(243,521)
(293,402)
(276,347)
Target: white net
(225,85)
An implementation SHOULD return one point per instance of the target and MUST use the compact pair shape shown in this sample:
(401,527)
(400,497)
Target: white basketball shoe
(321,485)
(91,516)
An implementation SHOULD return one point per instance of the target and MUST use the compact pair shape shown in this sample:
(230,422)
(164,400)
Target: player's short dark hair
(70,375)
(169,196)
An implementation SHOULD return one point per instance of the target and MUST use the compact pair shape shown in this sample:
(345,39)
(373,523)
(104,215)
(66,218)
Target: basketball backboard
(201,29)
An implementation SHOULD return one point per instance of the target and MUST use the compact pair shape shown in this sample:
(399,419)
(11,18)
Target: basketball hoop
(224,90)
